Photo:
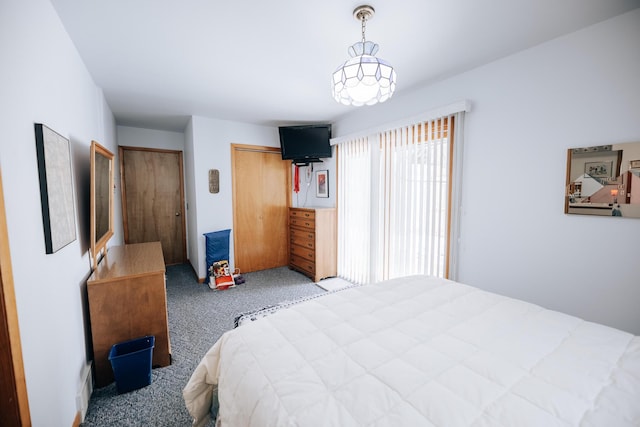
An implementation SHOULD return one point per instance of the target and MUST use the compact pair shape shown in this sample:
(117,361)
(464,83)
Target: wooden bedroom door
(261,197)
(153,200)
(14,402)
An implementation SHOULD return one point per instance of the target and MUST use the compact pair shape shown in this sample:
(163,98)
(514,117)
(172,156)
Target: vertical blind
(354,171)
(394,202)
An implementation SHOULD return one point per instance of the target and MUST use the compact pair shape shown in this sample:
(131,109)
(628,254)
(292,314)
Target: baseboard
(84,394)
(77,420)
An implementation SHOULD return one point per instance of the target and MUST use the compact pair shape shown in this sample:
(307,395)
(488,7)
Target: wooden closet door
(152,200)
(261,196)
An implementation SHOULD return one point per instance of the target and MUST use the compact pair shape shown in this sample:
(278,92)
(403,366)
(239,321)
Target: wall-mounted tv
(305,144)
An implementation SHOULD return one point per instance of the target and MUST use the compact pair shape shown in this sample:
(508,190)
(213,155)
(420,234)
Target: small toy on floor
(220,278)
(237,277)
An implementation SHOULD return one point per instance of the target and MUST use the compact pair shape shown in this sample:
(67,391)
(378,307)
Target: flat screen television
(305,144)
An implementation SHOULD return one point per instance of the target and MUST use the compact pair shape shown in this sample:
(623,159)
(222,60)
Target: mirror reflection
(101,200)
(103,165)
(604,180)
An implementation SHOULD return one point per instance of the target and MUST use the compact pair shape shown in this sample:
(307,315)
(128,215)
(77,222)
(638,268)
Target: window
(396,198)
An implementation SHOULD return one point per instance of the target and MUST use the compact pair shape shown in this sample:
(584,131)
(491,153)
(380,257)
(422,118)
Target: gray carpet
(198,316)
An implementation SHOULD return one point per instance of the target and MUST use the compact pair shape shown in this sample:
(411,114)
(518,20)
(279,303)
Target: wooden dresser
(312,242)
(127,300)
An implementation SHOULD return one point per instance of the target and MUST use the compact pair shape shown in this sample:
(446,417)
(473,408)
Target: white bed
(418,351)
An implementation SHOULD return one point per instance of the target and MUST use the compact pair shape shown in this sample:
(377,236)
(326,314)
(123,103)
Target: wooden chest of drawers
(312,242)
(128,299)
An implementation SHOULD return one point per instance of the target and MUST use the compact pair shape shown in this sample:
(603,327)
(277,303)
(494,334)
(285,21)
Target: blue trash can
(131,363)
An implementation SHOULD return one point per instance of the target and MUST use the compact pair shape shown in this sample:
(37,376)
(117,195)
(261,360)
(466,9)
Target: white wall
(306,197)
(528,109)
(191,200)
(43,80)
(150,138)
(208,146)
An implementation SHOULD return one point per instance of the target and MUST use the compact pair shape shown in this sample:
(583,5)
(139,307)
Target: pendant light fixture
(363,79)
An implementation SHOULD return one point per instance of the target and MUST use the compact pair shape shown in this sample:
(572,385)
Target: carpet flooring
(198,316)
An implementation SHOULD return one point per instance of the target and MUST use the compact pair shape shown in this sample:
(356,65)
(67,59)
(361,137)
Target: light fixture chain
(364,24)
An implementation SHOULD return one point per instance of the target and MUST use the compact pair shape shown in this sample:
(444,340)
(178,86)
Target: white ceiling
(270,62)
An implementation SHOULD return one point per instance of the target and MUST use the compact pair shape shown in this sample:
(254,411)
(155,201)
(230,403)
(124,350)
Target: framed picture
(634,164)
(599,169)
(322,183)
(56,188)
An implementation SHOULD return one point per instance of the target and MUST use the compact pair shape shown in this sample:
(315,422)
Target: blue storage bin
(217,248)
(131,363)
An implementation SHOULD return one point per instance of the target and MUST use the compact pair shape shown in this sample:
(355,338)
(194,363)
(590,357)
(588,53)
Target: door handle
(177,213)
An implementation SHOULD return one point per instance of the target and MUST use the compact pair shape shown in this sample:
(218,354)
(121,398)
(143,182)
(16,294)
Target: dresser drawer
(302,238)
(303,252)
(295,213)
(303,222)
(302,264)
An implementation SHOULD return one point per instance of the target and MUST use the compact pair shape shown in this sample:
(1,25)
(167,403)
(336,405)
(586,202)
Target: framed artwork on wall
(322,183)
(599,169)
(56,188)
(601,180)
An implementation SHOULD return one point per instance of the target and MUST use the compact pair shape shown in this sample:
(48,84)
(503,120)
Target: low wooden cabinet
(312,242)
(128,299)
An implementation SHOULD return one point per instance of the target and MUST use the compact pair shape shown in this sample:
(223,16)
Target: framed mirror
(101,200)
(604,180)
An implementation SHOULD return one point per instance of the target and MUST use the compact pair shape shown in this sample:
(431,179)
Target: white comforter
(419,351)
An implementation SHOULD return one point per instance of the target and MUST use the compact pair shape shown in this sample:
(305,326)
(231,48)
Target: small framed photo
(599,169)
(322,183)
(634,164)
